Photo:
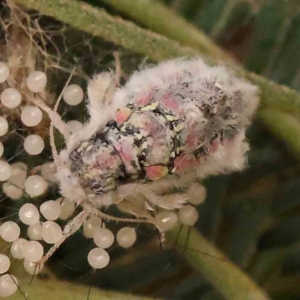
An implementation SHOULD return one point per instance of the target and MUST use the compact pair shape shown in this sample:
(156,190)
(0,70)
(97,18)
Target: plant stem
(163,20)
(284,126)
(97,22)
(227,278)
(223,274)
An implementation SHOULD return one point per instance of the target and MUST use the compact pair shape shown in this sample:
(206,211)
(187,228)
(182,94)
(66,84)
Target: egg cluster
(43,220)
(16,183)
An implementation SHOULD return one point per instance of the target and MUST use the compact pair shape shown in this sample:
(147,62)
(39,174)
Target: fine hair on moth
(147,144)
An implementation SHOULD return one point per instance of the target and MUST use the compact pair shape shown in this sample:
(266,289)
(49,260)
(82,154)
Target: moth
(147,143)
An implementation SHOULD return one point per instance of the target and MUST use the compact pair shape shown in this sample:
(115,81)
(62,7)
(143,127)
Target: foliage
(253,217)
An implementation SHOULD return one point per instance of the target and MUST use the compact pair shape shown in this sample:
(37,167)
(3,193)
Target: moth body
(175,117)
(148,143)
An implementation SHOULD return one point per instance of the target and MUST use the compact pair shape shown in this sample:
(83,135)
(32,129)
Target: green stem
(97,22)
(231,281)
(272,95)
(227,278)
(161,19)
(284,126)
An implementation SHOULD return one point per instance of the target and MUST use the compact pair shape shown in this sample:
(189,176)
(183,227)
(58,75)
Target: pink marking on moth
(122,115)
(194,137)
(154,128)
(214,145)
(124,152)
(184,162)
(105,161)
(145,99)
(156,172)
(168,102)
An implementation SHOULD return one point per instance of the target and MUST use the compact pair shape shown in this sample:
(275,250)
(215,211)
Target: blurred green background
(253,216)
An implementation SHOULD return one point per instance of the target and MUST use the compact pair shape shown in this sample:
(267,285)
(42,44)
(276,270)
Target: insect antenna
(177,237)
(32,276)
(187,240)
(19,289)
(89,292)
(7,217)
(90,284)
(204,253)
(160,239)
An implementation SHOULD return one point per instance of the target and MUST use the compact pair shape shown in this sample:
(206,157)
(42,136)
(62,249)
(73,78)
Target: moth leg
(171,201)
(93,211)
(71,227)
(171,183)
(133,189)
(135,205)
(118,69)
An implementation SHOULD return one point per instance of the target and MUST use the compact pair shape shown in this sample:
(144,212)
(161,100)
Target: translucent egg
(35,186)
(51,232)
(33,251)
(48,171)
(14,187)
(17,248)
(166,220)
(12,191)
(3,126)
(19,174)
(98,258)
(31,116)
(90,226)
(34,144)
(50,210)
(5,170)
(9,231)
(1,149)
(29,214)
(34,232)
(4,263)
(8,285)
(74,126)
(67,208)
(188,215)
(196,194)
(103,238)
(126,237)
(4,72)
(36,81)
(32,268)
(11,98)
(73,94)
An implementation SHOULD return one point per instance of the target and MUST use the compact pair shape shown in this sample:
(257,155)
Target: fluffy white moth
(149,141)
